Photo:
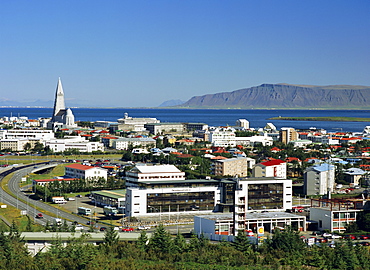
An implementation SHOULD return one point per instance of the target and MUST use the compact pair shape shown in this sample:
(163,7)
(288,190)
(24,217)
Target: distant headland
(286,96)
(334,119)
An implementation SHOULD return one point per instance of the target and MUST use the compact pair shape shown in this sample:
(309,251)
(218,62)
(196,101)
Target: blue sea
(222,117)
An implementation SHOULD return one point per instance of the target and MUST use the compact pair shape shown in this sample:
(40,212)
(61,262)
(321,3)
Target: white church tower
(62,117)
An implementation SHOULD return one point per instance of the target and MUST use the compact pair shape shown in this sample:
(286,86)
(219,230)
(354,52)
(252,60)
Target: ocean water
(222,117)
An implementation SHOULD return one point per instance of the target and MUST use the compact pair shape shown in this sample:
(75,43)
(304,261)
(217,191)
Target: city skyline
(140,54)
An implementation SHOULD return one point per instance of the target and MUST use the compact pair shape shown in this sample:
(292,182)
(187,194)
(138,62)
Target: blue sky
(141,53)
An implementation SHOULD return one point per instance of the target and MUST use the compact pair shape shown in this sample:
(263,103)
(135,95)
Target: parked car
(364,237)
(327,235)
(335,236)
(352,237)
(102,229)
(143,227)
(128,229)
(39,215)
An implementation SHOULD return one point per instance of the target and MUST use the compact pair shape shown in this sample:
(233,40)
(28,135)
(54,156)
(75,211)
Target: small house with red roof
(80,171)
(271,168)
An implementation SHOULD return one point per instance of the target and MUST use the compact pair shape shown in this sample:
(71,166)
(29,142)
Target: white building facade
(85,172)
(319,179)
(79,143)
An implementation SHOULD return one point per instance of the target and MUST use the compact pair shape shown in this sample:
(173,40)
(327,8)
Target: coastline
(323,118)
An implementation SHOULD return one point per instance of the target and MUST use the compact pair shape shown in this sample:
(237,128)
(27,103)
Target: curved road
(23,202)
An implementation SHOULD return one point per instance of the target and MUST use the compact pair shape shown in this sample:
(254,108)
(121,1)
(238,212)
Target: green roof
(115,194)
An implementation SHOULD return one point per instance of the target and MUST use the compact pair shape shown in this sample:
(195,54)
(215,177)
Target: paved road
(32,207)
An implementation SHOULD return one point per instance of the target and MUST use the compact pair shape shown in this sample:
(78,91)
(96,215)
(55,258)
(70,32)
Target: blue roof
(323,167)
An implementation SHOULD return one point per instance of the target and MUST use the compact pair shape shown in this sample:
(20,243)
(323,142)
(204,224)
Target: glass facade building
(265,196)
(179,202)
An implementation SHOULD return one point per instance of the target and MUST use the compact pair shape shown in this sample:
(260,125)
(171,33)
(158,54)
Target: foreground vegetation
(285,250)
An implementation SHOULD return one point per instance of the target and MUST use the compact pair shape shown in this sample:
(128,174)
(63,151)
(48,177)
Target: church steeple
(59,103)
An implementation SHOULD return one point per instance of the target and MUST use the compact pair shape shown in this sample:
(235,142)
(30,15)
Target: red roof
(272,162)
(185,156)
(219,157)
(288,159)
(80,167)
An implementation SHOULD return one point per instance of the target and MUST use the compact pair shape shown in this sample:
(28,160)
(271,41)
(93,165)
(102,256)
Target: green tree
(161,240)
(27,147)
(242,242)
(110,237)
(363,220)
(142,241)
(29,224)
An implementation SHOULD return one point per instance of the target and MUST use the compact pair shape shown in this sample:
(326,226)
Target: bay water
(216,117)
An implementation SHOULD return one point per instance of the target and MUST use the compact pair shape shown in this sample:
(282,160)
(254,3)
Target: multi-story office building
(195,126)
(187,196)
(319,179)
(164,128)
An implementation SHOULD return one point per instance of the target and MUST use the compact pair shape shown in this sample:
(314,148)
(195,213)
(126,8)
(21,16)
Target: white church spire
(59,103)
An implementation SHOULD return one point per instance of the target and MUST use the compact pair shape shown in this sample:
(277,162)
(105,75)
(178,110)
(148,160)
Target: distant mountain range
(172,102)
(287,96)
(34,104)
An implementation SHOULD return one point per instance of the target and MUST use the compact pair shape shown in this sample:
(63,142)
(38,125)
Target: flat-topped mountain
(285,96)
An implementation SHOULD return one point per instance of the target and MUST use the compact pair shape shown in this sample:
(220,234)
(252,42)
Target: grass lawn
(11,214)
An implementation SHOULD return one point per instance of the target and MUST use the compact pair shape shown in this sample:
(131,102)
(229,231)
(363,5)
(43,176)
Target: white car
(335,236)
(79,227)
(326,235)
(143,227)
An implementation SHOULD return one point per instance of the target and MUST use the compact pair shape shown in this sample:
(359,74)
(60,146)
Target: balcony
(240,210)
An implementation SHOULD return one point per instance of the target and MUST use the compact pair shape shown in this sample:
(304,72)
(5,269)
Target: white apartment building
(243,123)
(76,142)
(123,143)
(233,166)
(27,134)
(85,172)
(253,140)
(271,168)
(222,137)
(153,173)
(319,179)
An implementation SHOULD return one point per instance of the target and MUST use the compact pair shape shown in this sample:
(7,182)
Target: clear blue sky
(141,53)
